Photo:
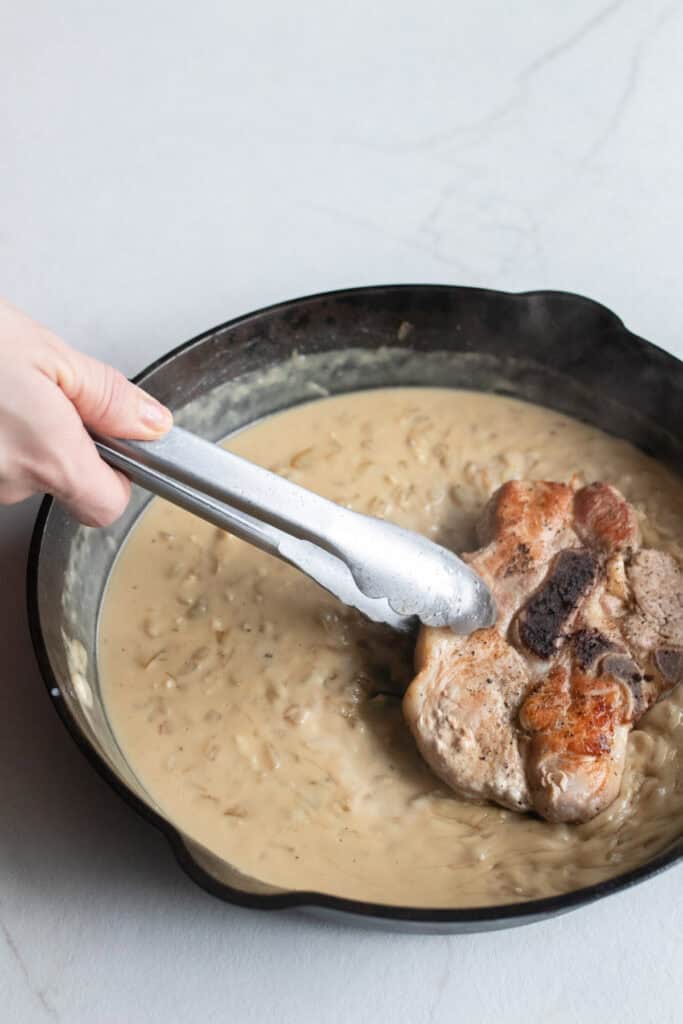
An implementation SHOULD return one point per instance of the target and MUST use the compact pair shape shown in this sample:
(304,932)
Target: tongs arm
(326,569)
(391,574)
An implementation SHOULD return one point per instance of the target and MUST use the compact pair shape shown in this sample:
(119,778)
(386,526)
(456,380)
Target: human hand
(49,394)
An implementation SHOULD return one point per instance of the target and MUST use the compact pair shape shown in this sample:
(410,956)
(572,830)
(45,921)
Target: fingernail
(155,415)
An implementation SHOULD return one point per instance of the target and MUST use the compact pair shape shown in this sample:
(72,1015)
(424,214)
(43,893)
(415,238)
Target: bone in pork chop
(534,713)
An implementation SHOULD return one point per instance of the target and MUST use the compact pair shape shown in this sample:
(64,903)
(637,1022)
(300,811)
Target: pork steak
(534,713)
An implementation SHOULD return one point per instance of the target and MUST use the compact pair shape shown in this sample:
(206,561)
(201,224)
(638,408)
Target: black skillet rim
(511,913)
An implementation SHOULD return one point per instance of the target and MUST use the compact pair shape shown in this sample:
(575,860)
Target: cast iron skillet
(554,348)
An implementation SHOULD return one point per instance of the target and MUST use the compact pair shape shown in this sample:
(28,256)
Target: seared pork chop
(534,713)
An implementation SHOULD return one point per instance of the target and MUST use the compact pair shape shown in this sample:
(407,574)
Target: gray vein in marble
(631,80)
(527,74)
(531,234)
(549,204)
(47,1007)
(531,231)
(572,40)
(518,97)
(406,240)
(431,229)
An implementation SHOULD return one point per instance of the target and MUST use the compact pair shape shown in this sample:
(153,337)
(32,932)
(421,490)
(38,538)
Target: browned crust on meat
(604,519)
(575,761)
(520,518)
(575,712)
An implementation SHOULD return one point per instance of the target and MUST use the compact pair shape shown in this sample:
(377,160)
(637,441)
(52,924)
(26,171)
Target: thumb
(107,402)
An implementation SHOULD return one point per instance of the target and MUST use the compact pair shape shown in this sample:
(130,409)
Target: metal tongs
(390,574)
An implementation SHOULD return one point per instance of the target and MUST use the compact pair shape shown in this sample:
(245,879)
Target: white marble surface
(166,165)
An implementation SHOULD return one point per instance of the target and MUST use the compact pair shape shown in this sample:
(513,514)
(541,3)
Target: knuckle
(100,394)
(96,506)
(108,393)
(87,509)
(105,513)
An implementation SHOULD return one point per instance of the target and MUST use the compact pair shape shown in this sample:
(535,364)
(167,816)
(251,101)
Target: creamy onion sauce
(263,718)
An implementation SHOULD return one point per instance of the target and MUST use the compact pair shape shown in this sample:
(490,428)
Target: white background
(167,165)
